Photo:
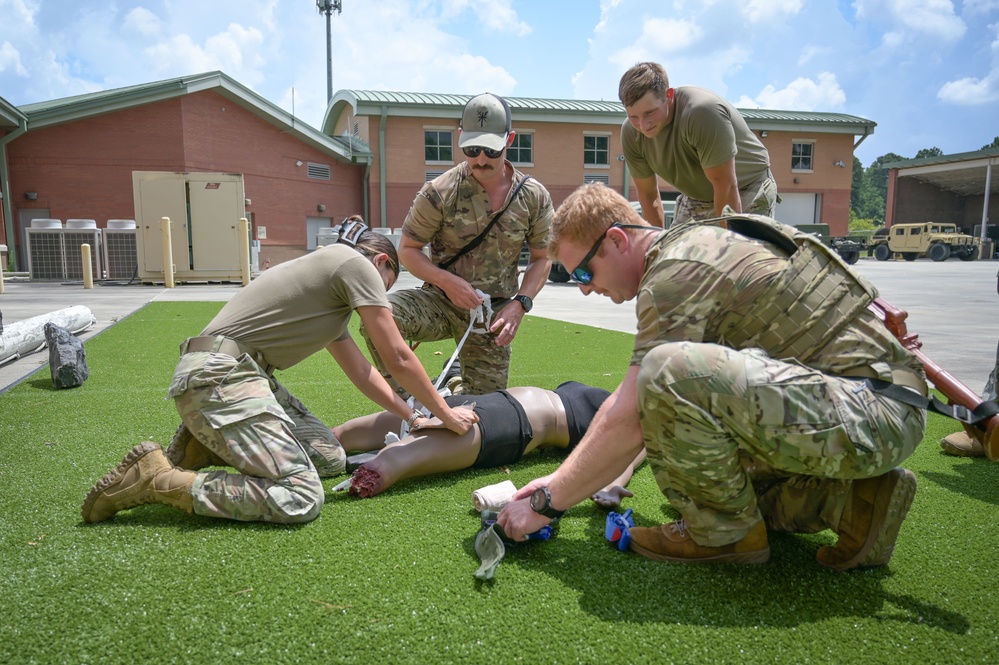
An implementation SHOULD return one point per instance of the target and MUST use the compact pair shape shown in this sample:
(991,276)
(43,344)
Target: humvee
(937,240)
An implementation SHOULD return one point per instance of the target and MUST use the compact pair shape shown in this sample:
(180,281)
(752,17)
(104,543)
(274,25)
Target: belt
(900,376)
(225,345)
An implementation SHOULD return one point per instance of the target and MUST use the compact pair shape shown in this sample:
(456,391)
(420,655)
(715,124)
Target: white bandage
(493,497)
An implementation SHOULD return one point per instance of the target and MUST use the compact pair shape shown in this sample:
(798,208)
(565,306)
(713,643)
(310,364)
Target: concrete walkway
(952,306)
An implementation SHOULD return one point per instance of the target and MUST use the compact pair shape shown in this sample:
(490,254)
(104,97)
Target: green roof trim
(944,159)
(531,109)
(10,117)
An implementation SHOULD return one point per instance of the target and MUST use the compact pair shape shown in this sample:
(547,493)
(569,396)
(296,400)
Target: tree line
(870,187)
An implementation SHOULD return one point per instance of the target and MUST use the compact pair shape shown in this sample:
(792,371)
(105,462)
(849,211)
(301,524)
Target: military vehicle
(934,239)
(848,247)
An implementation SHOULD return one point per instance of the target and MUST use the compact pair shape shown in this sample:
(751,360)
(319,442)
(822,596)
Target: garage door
(797,209)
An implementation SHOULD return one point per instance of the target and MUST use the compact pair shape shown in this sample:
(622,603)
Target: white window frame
(454,145)
(795,142)
(519,134)
(604,135)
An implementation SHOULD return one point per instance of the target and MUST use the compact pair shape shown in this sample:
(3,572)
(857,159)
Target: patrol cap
(485,122)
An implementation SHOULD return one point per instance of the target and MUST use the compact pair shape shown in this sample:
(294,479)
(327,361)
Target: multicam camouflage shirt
(451,210)
(703,283)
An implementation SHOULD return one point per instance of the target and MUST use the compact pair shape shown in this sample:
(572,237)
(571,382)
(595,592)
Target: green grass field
(389,579)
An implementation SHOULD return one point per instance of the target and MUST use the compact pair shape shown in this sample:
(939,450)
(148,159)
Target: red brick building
(409,138)
(73,158)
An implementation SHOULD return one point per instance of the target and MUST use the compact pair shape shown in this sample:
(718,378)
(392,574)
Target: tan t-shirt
(706,131)
(298,307)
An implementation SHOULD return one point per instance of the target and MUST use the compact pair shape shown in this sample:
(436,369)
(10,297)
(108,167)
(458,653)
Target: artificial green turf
(390,579)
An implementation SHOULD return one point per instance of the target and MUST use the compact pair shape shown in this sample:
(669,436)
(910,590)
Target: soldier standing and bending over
(476,217)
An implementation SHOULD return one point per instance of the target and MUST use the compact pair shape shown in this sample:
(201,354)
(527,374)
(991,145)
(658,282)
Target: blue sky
(926,71)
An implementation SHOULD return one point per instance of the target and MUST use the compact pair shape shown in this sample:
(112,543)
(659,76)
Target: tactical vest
(810,302)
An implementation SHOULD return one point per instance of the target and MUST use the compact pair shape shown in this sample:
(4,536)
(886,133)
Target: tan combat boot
(672,542)
(873,514)
(186,452)
(961,444)
(144,476)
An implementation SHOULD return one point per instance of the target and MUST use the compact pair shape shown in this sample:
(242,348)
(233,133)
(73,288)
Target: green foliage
(389,579)
(994,144)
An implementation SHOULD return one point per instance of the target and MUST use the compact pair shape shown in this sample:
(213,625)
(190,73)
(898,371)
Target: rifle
(985,432)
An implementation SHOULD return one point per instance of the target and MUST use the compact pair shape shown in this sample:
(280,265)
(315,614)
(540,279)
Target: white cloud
(10,59)
(143,21)
(810,52)
(495,15)
(980,6)
(802,94)
(660,37)
(914,18)
(971,91)
(758,11)
(234,52)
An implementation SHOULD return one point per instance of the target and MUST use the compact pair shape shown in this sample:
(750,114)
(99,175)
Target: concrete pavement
(952,306)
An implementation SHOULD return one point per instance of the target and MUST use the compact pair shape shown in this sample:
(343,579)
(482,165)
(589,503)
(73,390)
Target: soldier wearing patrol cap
(476,218)
(751,387)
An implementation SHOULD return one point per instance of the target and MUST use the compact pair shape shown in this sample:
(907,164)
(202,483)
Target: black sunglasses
(473,152)
(582,273)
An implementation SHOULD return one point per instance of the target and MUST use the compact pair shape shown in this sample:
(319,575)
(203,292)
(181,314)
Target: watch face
(539,500)
(526,302)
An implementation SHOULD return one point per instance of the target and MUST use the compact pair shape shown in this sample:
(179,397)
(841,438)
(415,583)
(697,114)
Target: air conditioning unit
(120,254)
(54,252)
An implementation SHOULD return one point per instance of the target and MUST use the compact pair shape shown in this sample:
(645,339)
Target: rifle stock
(986,433)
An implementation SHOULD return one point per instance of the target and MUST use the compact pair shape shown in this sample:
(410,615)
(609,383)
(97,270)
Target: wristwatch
(541,503)
(525,302)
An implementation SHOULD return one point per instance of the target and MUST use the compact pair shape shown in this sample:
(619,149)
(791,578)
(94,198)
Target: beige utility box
(204,211)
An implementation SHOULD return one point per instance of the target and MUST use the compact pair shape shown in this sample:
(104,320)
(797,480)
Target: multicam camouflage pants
(734,437)
(251,421)
(759,199)
(426,315)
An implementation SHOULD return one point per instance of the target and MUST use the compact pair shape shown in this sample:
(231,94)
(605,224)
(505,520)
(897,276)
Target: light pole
(328,7)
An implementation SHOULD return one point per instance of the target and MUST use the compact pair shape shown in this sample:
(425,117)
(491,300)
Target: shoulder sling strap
(477,240)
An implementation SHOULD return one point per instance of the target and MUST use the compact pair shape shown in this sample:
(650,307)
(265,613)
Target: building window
(596,150)
(521,151)
(437,146)
(802,153)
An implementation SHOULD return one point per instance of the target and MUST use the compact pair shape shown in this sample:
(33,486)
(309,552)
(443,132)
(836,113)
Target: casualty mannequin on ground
(234,411)
(476,218)
(748,387)
(512,423)
(698,143)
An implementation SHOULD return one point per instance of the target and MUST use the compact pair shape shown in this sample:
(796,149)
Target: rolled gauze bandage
(493,497)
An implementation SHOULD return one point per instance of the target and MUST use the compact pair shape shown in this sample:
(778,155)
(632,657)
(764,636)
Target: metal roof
(963,173)
(69,109)
(534,109)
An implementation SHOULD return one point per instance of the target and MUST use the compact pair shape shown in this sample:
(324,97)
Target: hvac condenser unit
(120,260)
(54,251)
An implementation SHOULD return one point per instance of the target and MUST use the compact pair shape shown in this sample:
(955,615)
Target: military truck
(937,240)
(848,247)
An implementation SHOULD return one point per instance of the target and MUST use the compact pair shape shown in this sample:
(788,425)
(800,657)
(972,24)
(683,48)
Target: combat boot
(144,476)
(874,512)
(961,444)
(672,542)
(186,452)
